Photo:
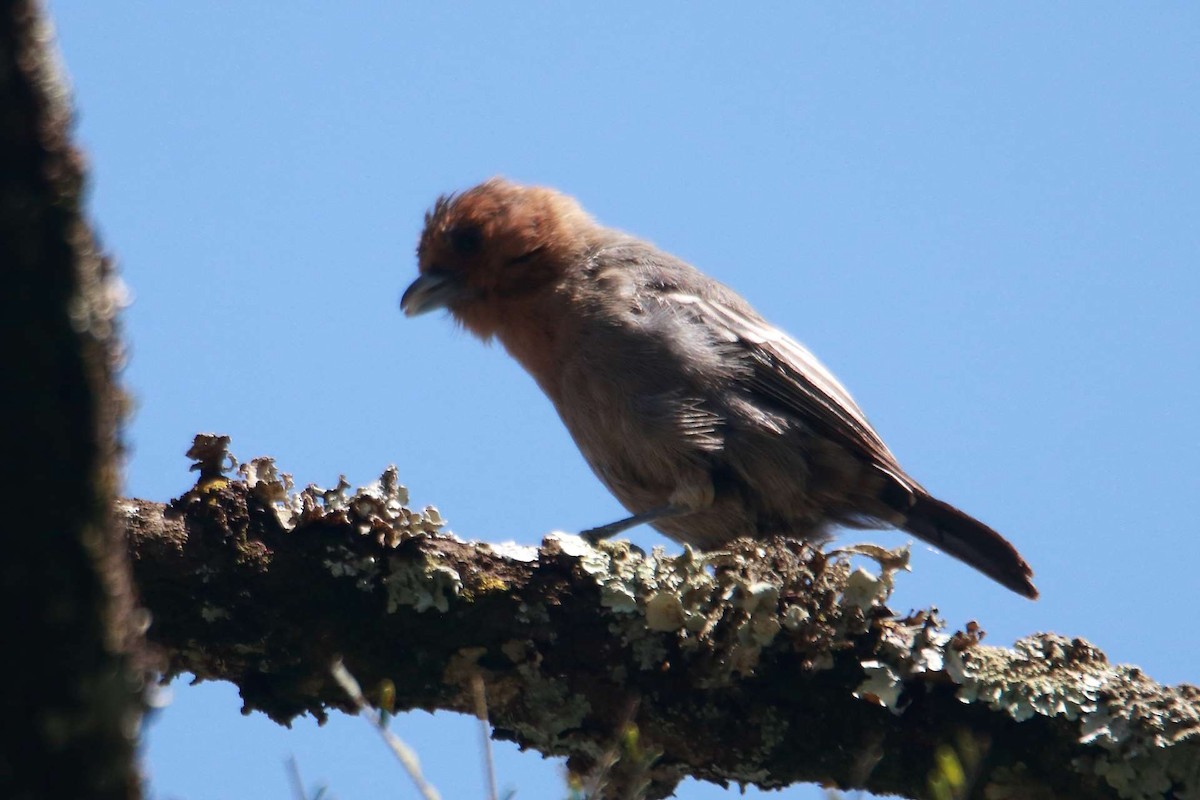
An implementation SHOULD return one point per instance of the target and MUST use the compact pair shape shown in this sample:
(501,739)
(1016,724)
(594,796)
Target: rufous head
(492,246)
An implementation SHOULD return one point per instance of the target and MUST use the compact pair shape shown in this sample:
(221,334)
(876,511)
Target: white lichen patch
(794,617)
(906,648)
(568,544)
(342,562)
(883,686)
(624,577)
(264,479)
(512,551)
(380,508)
(890,562)
(665,612)
(422,584)
(864,590)
(918,642)
(273,488)
(761,630)
(758,595)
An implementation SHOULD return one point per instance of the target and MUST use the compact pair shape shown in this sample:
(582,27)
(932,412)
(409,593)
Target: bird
(703,419)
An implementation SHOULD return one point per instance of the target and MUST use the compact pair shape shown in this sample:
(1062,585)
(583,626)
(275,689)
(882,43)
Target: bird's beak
(430,291)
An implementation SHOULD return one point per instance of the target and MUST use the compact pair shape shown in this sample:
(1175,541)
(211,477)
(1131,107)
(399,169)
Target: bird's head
(484,251)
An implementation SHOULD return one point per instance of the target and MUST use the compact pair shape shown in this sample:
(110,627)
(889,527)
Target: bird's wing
(788,376)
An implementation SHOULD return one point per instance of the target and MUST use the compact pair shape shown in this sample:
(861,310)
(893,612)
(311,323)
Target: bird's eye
(521,259)
(465,240)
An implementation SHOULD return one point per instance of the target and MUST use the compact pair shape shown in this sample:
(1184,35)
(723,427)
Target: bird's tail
(971,542)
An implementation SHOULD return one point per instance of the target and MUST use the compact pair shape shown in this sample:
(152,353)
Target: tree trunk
(73,677)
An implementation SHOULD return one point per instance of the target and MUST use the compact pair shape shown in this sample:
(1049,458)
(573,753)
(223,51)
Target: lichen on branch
(767,662)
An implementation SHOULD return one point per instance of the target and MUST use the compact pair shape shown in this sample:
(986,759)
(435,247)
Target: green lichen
(719,601)
(1145,738)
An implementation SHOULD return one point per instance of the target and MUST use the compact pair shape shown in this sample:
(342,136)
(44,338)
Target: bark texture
(764,664)
(72,687)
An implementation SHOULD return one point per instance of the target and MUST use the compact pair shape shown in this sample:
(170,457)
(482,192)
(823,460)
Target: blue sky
(984,219)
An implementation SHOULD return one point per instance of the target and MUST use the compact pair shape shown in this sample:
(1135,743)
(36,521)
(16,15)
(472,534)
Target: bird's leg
(684,500)
(595,535)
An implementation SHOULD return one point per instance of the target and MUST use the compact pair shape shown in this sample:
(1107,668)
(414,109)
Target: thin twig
(404,754)
(293,769)
(481,713)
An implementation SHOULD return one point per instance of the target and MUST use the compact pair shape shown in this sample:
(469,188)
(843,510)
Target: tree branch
(765,663)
